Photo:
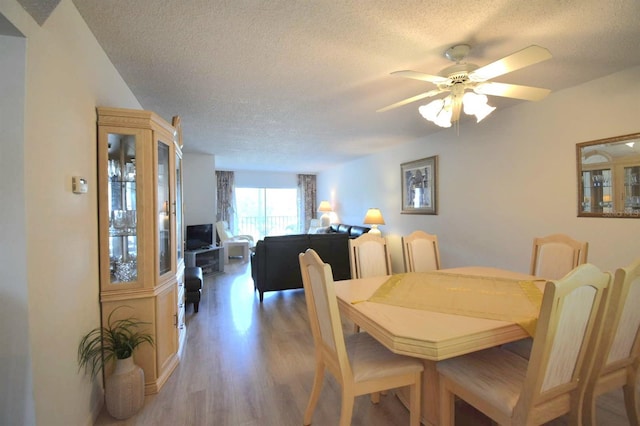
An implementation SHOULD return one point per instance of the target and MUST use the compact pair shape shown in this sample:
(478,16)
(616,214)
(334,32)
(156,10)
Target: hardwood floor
(250,364)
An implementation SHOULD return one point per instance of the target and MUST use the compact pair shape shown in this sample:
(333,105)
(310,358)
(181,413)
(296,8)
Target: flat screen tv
(199,236)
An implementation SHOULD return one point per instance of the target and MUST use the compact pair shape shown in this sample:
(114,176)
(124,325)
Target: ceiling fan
(468,85)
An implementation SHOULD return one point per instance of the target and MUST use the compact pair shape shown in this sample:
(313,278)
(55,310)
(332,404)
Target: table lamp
(374,218)
(325,208)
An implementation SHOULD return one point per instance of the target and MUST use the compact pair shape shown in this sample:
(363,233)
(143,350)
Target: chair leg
(589,408)
(630,398)
(447,406)
(375,398)
(415,402)
(318,378)
(346,411)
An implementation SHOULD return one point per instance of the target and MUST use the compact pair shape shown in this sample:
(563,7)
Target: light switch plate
(79,185)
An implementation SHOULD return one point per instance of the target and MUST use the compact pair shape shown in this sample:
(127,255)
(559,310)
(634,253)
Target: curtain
(306,200)
(225,182)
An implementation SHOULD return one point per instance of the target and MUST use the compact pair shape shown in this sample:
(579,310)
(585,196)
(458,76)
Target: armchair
(234,244)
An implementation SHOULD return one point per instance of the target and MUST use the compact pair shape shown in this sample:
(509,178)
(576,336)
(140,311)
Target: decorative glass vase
(124,390)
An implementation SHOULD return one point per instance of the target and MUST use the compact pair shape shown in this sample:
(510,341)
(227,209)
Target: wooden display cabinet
(140,222)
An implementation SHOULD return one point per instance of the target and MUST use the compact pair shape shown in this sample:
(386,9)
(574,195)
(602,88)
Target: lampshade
(374,218)
(440,111)
(325,208)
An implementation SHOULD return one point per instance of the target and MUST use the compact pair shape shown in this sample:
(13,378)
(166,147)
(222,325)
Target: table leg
(225,254)
(245,253)
(429,409)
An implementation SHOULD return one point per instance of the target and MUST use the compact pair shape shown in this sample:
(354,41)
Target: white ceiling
(293,85)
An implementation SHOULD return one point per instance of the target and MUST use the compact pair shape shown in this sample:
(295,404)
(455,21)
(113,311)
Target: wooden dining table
(429,333)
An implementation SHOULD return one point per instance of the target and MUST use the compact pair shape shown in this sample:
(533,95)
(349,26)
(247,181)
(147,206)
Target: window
(267,211)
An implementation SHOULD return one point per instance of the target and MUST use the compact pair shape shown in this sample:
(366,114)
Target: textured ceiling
(293,85)
(7,28)
(39,9)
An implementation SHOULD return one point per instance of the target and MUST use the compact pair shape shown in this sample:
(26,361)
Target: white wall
(503,181)
(199,185)
(16,393)
(67,76)
(245,179)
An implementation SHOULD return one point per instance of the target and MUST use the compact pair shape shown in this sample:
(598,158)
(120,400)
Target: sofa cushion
(344,228)
(356,231)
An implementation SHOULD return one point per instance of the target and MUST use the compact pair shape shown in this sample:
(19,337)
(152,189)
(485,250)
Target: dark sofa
(275,266)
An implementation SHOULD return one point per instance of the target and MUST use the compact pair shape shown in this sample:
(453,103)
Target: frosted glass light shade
(475,104)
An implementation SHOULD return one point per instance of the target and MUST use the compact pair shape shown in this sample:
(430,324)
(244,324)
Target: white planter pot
(124,390)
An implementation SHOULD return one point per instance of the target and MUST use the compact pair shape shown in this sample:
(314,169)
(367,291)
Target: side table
(236,243)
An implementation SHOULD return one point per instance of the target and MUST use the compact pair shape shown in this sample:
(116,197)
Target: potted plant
(124,389)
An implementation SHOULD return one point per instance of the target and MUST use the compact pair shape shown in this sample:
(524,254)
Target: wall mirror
(609,177)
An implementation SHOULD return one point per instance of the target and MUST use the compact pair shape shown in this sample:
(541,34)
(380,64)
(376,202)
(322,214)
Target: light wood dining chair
(369,256)
(359,363)
(420,251)
(617,354)
(556,255)
(513,391)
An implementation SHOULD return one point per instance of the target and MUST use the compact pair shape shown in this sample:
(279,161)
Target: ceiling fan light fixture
(483,111)
(438,111)
(477,105)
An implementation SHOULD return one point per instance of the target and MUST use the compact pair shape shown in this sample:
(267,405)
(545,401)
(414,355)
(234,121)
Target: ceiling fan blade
(516,91)
(412,99)
(435,79)
(523,58)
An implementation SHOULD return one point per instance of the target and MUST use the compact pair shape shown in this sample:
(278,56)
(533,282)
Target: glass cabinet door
(597,193)
(178,209)
(632,189)
(164,208)
(122,202)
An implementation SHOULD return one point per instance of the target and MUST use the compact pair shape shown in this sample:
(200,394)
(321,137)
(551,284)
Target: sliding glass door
(267,211)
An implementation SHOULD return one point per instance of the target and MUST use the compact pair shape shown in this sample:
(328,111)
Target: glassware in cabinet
(597,191)
(122,203)
(632,189)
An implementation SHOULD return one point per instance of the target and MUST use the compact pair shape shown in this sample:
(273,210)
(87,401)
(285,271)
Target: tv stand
(211,259)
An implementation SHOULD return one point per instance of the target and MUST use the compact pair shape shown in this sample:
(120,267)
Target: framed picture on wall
(419,186)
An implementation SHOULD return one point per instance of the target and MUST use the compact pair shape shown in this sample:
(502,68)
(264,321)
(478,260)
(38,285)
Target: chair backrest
(421,252)
(324,316)
(558,363)
(555,255)
(619,344)
(369,256)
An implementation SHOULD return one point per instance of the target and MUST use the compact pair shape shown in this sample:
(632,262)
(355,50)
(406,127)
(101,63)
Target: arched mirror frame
(608,177)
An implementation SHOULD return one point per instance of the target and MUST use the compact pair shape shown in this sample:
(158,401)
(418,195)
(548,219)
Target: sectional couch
(274,263)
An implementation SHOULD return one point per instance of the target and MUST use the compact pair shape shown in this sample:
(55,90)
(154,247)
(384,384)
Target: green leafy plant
(117,340)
